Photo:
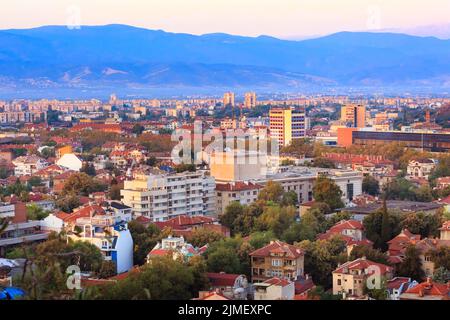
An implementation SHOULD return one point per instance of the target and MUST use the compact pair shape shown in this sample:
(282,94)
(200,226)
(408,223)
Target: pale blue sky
(282,18)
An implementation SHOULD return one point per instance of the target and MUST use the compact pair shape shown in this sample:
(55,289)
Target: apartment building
(277,259)
(250,100)
(22,117)
(161,197)
(301,180)
(228,99)
(20,229)
(287,124)
(354,115)
(243,192)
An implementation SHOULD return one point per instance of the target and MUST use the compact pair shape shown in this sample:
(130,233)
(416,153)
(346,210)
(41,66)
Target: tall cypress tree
(386,231)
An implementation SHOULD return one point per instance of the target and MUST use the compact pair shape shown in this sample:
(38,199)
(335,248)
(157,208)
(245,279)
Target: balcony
(23,239)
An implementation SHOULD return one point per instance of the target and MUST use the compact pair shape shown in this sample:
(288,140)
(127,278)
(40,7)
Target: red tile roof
(278,282)
(430,288)
(277,246)
(84,212)
(362,264)
(397,282)
(222,279)
(237,186)
(346,224)
(184,221)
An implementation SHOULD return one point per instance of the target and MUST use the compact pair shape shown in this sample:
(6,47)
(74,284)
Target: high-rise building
(228,99)
(287,124)
(250,100)
(164,196)
(354,115)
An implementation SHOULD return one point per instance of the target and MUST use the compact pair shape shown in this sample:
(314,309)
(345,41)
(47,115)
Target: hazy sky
(282,18)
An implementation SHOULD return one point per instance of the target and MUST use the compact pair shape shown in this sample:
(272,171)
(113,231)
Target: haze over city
(279,18)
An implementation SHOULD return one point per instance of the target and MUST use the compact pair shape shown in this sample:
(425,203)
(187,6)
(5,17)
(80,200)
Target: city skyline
(285,19)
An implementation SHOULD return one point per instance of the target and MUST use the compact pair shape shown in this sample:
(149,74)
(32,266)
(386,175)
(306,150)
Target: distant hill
(123,56)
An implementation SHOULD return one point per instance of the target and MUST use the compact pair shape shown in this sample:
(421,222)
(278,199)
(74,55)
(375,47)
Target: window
(339,282)
(276,262)
(350,191)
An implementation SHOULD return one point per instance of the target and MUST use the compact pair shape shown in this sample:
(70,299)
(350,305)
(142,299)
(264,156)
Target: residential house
(351,278)
(176,247)
(427,290)
(420,168)
(184,225)
(277,259)
(442,183)
(207,295)
(274,289)
(445,230)
(28,165)
(351,231)
(232,286)
(398,285)
(111,237)
(426,247)
(398,245)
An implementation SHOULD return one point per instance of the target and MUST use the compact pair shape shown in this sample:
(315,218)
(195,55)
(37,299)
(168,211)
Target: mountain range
(119,56)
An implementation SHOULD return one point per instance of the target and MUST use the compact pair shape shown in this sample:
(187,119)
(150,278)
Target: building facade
(277,259)
(164,196)
(287,124)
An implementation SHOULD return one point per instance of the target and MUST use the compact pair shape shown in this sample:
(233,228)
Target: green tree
(427,225)
(202,236)
(371,186)
(68,202)
(223,259)
(114,192)
(89,169)
(107,269)
(276,219)
(35,212)
(144,240)
(411,266)
(327,191)
(273,192)
(260,239)
(386,231)
(138,129)
(373,224)
(322,258)
(441,257)
(324,163)
(81,184)
(370,253)
(232,211)
(163,279)
(400,189)
(423,194)
(441,275)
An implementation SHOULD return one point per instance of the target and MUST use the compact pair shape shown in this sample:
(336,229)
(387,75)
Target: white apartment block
(28,165)
(164,196)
